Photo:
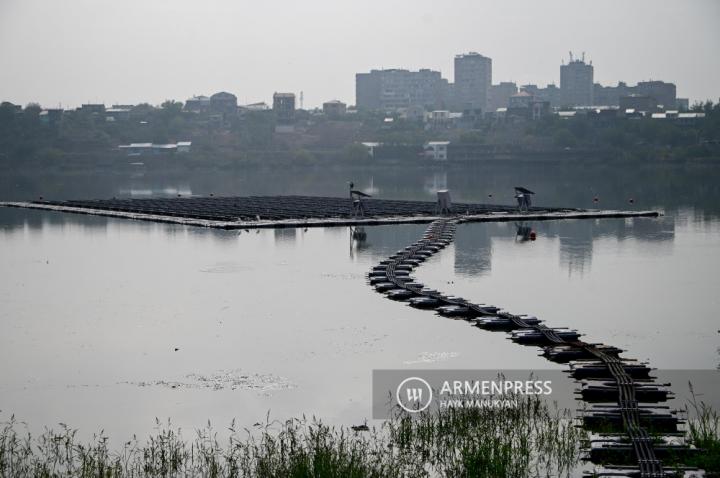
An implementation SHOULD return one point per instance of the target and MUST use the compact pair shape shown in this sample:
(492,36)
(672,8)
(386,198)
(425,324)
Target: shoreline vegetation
(83,138)
(531,440)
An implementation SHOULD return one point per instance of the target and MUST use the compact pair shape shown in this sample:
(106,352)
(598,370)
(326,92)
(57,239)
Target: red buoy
(533,236)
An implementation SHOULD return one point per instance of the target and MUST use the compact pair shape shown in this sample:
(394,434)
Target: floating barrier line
(439,234)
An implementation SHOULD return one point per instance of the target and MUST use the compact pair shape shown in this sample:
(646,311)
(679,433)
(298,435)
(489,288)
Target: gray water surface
(109,323)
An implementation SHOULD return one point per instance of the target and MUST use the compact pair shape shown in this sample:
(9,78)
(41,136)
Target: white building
(437,150)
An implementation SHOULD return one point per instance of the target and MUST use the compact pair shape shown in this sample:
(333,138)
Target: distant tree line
(30,136)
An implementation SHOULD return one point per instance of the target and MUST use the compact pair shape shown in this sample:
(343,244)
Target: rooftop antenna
(571,58)
(301,100)
(583,57)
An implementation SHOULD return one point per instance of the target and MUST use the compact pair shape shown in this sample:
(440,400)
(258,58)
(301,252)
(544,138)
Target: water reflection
(436,182)
(671,187)
(285,236)
(473,245)
(473,248)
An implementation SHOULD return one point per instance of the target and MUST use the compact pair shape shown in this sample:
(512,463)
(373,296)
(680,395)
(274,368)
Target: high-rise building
(473,77)
(391,90)
(576,83)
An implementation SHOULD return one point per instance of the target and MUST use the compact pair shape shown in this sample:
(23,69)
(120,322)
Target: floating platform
(304,211)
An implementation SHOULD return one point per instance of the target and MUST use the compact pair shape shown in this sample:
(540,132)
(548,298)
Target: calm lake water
(107,323)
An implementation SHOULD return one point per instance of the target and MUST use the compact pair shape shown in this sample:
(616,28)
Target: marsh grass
(703,431)
(530,440)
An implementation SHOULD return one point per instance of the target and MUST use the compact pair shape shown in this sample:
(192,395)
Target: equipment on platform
(357,197)
(444,203)
(523,196)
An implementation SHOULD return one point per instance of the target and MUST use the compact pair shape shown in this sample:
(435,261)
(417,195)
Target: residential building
(520,100)
(51,116)
(473,78)
(576,83)
(262,106)
(198,104)
(93,108)
(117,113)
(223,103)
(500,95)
(610,95)
(550,94)
(637,103)
(436,150)
(397,89)
(334,108)
(284,107)
(664,94)
(526,105)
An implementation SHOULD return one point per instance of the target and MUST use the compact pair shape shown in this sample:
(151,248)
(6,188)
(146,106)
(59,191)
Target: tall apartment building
(473,78)
(394,89)
(576,83)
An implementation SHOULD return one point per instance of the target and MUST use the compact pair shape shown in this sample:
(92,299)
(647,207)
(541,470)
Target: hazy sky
(130,51)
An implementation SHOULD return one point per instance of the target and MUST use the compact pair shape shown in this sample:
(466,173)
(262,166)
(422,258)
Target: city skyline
(318,47)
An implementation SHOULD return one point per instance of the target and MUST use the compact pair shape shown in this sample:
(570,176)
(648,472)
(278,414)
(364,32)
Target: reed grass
(703,431)
(530,440)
